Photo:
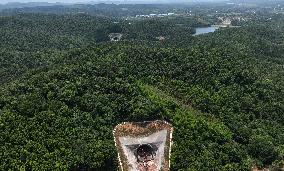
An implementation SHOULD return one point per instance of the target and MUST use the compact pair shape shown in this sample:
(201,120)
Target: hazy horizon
(87,1)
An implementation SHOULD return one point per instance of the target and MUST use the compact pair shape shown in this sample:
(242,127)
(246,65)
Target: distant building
(227,22)
(115,37)
(154,15)
(161,38)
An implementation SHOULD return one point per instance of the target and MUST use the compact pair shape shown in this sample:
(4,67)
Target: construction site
(143,146)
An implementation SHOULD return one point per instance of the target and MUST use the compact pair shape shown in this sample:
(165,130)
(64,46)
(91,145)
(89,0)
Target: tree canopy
(64,87)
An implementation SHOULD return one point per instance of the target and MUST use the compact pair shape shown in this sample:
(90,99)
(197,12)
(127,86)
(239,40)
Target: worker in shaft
(145,158)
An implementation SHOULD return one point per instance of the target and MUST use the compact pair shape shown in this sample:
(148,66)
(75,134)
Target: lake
(204,30)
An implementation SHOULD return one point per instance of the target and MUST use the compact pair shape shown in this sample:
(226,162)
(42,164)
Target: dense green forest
(64,87)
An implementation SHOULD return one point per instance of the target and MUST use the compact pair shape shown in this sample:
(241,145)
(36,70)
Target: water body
(204,30)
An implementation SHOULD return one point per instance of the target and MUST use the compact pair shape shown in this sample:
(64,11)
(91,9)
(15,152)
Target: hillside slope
(227,112)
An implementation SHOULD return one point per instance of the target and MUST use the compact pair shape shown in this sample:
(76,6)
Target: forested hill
(35,40)
(223,93)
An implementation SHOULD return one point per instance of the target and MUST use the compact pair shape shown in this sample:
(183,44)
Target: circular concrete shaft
(145,152)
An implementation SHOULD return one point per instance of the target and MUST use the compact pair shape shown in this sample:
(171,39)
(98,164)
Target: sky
(82,1)
(52,1)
